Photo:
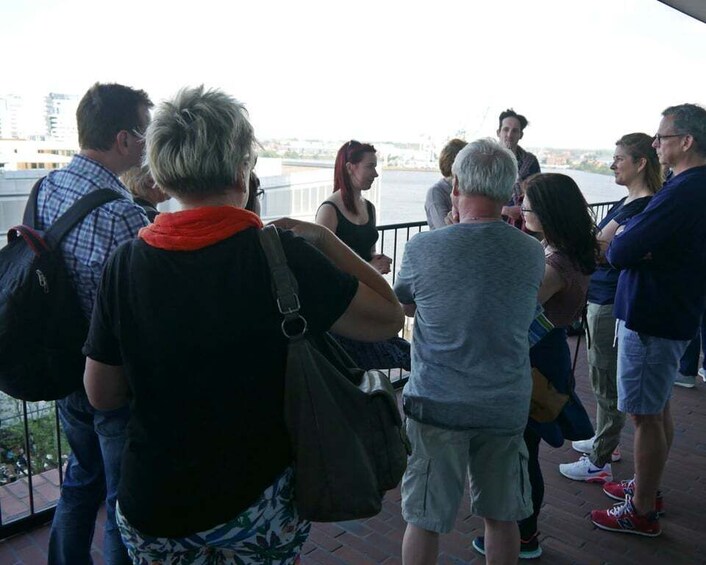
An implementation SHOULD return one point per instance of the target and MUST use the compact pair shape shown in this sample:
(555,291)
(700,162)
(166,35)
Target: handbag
(345,429)
(571,422)
(574,421)
(547,402)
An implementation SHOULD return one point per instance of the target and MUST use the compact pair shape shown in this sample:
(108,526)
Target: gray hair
(486,168)
(691,119)
(199,143)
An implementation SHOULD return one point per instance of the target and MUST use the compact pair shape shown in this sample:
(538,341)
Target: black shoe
(529,549)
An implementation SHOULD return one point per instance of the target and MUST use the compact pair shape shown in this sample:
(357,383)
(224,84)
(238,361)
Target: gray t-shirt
(475,287)
(438,203)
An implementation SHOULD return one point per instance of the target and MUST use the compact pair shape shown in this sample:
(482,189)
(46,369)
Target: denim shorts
(647,369)
(269,531)
(441,459)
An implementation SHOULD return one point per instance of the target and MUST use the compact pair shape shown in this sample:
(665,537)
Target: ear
(243,184)
(687,142)
(121,142)
(349,166)
(498,132)
(522,133)
(641,164)
(454,190)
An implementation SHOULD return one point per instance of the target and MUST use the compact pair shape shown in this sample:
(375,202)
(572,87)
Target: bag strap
(29,216)
(79,210)
(584,326)
(284,283)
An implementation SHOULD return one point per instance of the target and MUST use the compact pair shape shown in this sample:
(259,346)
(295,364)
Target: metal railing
(600,209)
(31,464)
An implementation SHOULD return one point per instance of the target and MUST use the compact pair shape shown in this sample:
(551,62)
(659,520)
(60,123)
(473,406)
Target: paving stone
(31,555)
(567,535)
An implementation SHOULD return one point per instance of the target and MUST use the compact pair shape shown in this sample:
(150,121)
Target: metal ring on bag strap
(294,319)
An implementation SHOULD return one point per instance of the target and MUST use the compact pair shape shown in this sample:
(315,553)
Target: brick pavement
(567,536)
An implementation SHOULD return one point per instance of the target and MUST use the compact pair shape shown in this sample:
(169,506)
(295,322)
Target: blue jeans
(689,364)
(96,439)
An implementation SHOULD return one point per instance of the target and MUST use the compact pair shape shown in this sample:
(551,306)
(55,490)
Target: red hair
(350,152)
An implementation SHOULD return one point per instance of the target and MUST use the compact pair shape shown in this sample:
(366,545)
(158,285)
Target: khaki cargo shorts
(434,481)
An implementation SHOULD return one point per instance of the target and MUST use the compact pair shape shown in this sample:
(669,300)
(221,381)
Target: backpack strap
(79,210)
(284,284)
(29,217)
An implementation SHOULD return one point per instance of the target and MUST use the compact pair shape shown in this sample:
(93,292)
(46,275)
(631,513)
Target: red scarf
(193,229)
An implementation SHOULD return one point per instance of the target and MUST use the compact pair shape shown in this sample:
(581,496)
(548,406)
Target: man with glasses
(659,303)
(111,120)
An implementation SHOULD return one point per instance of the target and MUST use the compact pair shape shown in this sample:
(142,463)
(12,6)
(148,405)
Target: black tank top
(359,238)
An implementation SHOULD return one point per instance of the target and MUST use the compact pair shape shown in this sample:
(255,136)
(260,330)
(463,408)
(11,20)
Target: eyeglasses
(137,134)
(525,210)
(259,193)
(659,137)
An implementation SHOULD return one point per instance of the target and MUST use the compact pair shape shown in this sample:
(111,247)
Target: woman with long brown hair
(555,209)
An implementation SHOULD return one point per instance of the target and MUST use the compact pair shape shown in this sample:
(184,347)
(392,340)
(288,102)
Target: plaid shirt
(86,247)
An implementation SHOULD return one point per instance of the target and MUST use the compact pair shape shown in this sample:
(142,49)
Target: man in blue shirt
(111,121)
(659,303)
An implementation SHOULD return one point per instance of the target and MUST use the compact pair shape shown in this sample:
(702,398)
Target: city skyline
(583,73)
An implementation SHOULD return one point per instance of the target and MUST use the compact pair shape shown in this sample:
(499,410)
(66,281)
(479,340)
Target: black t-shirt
(198,334)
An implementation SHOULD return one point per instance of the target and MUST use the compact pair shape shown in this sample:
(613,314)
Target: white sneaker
(685,381)
(586,446)
(584,470)
(583,446)
(702,374)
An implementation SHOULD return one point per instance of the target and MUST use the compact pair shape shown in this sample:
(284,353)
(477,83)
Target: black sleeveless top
(359,238)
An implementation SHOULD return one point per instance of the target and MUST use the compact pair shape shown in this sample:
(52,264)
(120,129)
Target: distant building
(22,117)
(60,116)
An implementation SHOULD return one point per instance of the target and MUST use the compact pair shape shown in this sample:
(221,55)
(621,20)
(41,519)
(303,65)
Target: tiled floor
(15,499)
(567,536)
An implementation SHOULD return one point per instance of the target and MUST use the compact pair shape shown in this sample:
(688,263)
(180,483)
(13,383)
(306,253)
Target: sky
(583,72)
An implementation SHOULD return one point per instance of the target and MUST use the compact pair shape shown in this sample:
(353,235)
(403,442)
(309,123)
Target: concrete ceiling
(694,8)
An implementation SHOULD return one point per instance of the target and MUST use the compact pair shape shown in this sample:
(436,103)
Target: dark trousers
(689,364)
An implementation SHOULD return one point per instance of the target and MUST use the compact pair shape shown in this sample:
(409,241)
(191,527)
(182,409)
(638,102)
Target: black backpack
(42,326)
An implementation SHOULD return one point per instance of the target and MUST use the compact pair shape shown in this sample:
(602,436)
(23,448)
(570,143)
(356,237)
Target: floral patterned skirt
(269,532)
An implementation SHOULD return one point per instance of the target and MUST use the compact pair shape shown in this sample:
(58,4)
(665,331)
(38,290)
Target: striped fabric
(540,326)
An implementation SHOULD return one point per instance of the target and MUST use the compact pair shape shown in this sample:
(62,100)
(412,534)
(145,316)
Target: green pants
(603,371)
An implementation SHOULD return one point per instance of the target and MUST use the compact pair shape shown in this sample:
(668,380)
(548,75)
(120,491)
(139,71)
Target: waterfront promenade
(567,535)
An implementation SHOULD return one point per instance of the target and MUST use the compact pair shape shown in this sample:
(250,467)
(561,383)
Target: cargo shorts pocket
(415,487)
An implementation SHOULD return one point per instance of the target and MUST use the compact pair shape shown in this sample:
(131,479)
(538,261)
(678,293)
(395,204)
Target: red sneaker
(623,518)
(618,491)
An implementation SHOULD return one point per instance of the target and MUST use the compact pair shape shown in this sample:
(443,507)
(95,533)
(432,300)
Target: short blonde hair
(138,181)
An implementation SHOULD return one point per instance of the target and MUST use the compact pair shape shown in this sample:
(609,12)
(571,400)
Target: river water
(403,192)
